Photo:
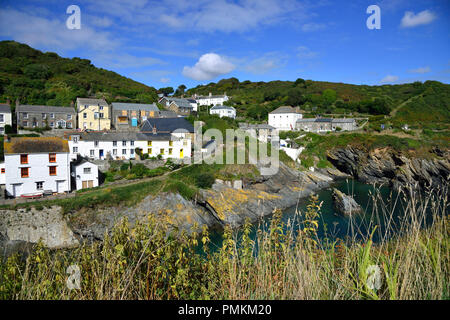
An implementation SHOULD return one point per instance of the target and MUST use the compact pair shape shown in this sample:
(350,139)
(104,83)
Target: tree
(180,90)
(329,96)
(166,90)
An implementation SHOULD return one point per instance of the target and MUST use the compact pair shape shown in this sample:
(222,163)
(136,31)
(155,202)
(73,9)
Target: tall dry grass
(282,262)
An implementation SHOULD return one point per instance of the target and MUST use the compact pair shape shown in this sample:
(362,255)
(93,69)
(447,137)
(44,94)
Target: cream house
(93,114)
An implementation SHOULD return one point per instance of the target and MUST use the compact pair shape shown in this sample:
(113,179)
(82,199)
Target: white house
(85,174)
(36,165)
(263,132)
(123,145)
(223,111)
(2,174)
(5,117)
(211,100)
(284,118)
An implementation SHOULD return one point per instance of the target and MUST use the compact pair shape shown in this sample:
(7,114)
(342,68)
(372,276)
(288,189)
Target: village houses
(93,114)
(36,165)
(223,111)
(5,117)
(284,118)
(211,100)
(131,115)
(53,117)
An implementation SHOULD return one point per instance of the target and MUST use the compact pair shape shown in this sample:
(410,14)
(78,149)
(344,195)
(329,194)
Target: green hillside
(45,78)
(256,99)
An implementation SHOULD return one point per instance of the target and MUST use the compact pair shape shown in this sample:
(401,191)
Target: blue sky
(172,42)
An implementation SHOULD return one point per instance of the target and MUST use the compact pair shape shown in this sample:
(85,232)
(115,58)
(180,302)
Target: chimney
(8,102)
(154,129)
(72,104)
(210,94)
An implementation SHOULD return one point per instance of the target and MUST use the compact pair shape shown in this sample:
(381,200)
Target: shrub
(204,180)
(139,170)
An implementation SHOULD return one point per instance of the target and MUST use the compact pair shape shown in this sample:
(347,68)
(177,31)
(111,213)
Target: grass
(148,262)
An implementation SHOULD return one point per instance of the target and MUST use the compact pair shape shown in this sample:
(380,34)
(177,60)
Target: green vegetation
(153,261)
(35,77)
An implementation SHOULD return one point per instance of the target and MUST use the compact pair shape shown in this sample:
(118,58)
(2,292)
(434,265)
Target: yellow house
(93,114)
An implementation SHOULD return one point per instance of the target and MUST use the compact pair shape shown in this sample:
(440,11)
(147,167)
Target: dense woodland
(35,77)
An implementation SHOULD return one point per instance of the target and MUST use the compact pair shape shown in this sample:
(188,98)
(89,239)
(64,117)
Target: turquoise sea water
(383,208)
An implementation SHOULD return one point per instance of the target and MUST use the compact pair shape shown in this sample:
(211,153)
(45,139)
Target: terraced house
(93,114)
(5,116)
(131,115)
(34,166)
(32,116)
(123,145)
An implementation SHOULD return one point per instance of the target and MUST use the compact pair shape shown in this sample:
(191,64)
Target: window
(87,170)
(25,115)
(170,143)
(75,139)
(170,150)
(114,151)
(23,159)
(149,151)
(124,143)
(34,124)
(24,172)
(52,157)
(101,107)
(2,118)
(131,151)
(25,123)
(84,115)
(52,170)
(52,124)
(96,143)
(101,115)
(44,116)
(69,117)
(95,115)
(3,170)
(92,153)
(132,143)
(185,142)
(124,151)
(114,143)
(69,125)
(52,115)
(75,149)
(40,185)
(161,151)
(149,143)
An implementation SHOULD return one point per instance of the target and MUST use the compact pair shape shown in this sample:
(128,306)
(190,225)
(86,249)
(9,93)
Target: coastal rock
(30,226)
(345,204)
(386,165)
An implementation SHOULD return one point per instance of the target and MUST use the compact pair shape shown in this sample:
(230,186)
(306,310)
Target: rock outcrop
(392,166)
(345,204)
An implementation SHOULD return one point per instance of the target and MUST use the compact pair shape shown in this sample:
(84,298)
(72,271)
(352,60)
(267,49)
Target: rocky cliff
(392,166)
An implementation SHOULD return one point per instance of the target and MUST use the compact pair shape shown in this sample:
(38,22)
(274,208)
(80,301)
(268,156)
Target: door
(17,190)
(101,153)
(84,184)
(181,154)
(60,186)
(90,184)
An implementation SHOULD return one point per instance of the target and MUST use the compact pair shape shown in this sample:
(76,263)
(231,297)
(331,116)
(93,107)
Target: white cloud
(421,70)
(410,19)
(388,79)
(125,60)
(164,80)
(208,67)
(305,53)
(48,33)
(265,63)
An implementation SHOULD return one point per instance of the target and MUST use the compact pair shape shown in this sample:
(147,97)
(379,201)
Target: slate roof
(134,106)
(44,109)
(211,97)
(91,101)
(285,109)
(219,107)
(181,103)
(167,125)
(167,114)
(35,145)
(124,136)
(5,107)
(245,126)
(343,120)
